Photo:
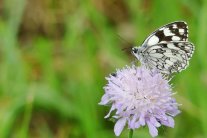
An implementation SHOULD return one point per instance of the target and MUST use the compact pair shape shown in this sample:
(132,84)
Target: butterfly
(166,49)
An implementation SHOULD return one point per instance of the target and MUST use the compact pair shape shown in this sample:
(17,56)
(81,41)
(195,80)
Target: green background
(55,55)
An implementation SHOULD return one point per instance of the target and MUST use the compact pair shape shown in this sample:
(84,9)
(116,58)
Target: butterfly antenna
(126,48)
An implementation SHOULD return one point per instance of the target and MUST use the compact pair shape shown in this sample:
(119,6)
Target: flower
(140,97)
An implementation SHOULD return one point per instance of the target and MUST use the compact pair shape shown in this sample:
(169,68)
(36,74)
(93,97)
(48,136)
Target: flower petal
(141,119)
(152,129)
(119,126)
(132,122)
(174,112)
(104,100)
(170,121)
(136,125)
(112,109)
(154,122)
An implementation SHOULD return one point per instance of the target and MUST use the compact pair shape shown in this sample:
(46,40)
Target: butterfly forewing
(176,31)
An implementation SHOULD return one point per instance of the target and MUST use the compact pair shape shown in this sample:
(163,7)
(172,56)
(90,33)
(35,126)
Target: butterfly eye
(134,50)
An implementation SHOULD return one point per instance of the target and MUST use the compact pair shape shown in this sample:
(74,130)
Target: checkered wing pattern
(167,48)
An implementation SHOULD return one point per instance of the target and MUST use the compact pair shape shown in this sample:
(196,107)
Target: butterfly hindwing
(169,57)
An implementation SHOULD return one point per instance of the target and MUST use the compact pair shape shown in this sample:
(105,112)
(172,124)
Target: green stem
(130,133)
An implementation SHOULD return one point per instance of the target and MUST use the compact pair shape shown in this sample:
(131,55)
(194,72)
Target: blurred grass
(55,55)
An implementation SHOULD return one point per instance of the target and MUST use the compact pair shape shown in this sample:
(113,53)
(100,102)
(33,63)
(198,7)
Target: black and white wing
(175,31)
(169,57)
(166,49)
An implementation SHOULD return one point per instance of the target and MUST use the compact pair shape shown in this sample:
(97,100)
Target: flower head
(140,97)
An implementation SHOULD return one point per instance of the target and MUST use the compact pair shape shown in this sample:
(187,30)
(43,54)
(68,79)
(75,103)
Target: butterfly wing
(169,57)
(167,48)
(175,31)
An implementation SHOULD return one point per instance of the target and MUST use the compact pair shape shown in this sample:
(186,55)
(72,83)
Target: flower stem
(130,133)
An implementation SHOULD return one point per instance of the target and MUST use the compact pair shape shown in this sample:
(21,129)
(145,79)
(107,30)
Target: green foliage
(55,56)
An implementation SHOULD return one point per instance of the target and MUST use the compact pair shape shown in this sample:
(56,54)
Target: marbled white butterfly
(166,49)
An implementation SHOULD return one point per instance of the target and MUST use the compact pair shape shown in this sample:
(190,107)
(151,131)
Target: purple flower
(139,97)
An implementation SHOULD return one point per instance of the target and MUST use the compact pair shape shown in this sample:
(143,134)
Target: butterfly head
(136,52)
